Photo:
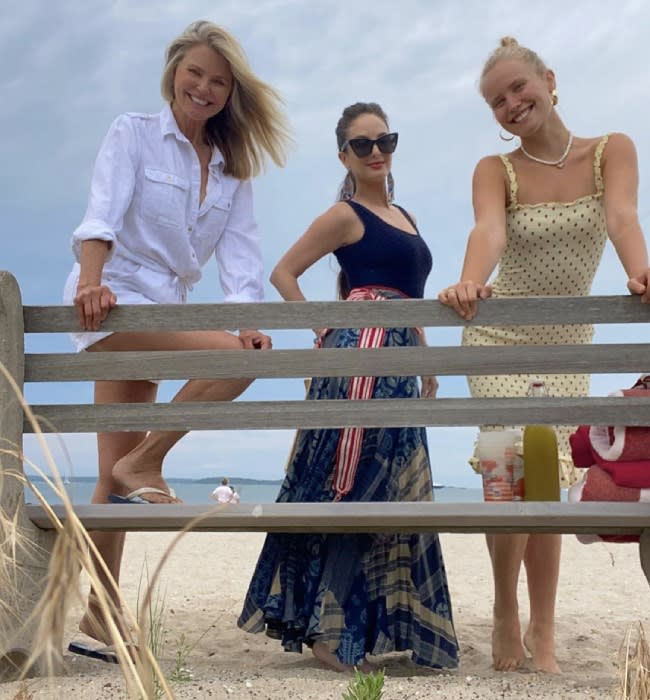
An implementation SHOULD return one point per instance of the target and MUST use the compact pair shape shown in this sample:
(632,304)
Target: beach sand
(602,593)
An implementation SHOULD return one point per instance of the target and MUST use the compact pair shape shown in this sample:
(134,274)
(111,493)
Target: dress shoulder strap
(512,179)
(598,173)
(407,216)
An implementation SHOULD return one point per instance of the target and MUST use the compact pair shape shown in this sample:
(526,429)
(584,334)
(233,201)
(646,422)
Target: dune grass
(137,638)
(634,665)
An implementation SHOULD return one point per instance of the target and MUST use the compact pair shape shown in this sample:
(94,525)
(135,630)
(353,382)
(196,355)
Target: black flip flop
(100,652)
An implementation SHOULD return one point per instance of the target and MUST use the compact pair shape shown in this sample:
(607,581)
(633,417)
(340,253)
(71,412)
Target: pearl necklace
(559,163)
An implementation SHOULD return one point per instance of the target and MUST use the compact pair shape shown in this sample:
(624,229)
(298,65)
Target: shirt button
(189,228)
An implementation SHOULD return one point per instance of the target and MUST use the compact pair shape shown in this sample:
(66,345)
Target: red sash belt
(348,450)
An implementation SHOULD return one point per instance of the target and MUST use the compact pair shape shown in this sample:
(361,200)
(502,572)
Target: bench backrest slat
(412,312)
(269,415)
(560,359)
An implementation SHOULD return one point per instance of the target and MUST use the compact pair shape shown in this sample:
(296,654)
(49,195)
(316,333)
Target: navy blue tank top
(385,256)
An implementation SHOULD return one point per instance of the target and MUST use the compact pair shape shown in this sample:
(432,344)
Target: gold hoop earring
(554,98)
(505,138)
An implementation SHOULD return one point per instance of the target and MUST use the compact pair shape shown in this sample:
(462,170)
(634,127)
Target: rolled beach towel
(622,451)
(598,485)
(630,474)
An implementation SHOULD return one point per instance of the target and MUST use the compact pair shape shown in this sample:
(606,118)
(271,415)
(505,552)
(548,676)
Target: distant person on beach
(224,493)
(346,596)
(170,191)
(543,213)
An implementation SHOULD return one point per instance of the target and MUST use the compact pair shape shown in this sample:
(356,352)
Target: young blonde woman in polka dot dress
(543,214)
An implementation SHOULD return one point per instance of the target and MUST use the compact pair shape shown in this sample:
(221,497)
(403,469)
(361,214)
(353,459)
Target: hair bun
(508,41)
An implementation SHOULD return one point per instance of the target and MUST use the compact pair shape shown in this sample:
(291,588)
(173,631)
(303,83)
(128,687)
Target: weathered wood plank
(24,580)
(217,364)
(644,552)
(407,312)
(269,415)
(606,518)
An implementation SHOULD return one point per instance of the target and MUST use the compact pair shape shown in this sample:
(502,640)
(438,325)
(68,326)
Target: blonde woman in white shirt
(170,190)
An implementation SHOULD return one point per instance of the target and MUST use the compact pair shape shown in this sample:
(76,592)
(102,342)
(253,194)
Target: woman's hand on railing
(255,340)
(429,387)
(463,297)
(640,285)
(93,303)
(318,334)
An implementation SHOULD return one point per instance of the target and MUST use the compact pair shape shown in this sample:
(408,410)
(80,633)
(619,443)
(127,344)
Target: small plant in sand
(634,665)
(365,686)
(181,671)
(154,613)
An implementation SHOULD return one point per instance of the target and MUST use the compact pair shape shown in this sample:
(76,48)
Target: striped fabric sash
(348,450)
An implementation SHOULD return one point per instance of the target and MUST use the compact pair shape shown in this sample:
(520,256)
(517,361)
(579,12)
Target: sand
(602,593)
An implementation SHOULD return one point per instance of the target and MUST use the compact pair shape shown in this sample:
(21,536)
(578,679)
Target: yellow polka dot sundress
(552,249)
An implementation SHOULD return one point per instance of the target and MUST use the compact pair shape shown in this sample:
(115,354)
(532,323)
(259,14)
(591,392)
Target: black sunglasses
(362,146)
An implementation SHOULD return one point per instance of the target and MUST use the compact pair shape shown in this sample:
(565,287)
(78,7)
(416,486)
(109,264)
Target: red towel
(632,474)
(598,485)
(619,442)
(622,451)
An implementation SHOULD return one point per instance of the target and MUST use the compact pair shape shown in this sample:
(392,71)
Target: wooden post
(644,553)
(26,555)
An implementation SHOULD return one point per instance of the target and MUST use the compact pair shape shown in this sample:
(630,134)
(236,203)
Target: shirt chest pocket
(163,198)
(216,217)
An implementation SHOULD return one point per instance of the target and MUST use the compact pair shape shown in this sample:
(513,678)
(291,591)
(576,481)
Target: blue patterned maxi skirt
(358,593)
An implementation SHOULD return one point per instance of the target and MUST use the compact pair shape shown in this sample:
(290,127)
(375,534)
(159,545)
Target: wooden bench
(16,320)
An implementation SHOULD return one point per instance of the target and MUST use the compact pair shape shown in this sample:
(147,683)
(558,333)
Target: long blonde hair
(511,48)
(253,124)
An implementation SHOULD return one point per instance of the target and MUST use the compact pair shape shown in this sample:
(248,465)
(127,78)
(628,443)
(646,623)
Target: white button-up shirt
(144,200)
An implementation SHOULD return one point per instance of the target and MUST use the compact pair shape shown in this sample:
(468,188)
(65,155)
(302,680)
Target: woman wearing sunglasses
(543,214)
(350,595)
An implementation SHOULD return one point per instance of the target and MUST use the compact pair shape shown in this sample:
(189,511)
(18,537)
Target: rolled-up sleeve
(238,252)
(112,187)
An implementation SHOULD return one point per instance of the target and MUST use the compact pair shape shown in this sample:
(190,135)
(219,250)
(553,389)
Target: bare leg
(506,554)
(142,466)
(111,446)
(542,561)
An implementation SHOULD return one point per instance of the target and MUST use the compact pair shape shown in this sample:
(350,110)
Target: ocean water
(195,492)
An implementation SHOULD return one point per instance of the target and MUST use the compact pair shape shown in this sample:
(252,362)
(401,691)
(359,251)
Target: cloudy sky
(70,67)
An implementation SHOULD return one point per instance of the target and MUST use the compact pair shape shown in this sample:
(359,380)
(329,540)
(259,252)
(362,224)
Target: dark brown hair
(353,112)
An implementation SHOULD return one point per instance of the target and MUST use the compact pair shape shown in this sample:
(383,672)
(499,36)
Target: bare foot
(135,471)
(322,653)
(93,625)
(507,650)
(540,644)
(366,667)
